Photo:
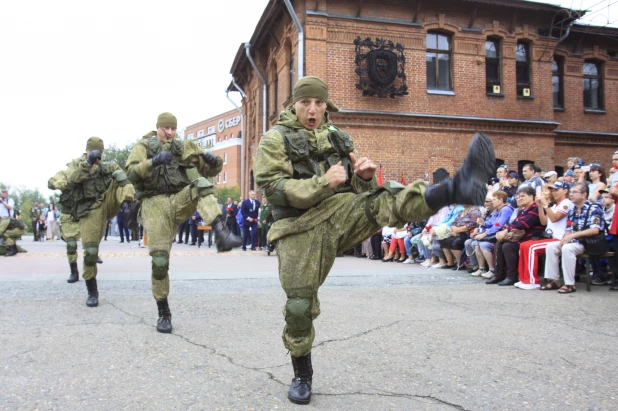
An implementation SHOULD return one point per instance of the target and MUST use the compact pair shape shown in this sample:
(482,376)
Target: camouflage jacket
(139,165)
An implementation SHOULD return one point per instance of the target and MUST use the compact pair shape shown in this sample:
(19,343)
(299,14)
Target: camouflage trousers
(92,226)
(11,230)
(70,233)
(307,246)
(160,216)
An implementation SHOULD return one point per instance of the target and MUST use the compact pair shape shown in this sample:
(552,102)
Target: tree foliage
(115,154)
(222,193)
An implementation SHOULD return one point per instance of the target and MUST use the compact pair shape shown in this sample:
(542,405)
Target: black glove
(209,159)
(164,157)
(93,157)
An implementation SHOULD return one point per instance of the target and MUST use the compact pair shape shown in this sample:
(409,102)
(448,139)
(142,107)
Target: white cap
(550,173)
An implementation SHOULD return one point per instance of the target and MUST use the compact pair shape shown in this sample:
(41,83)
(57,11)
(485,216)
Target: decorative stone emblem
(380,68)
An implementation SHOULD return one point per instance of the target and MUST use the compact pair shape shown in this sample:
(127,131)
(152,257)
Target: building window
(211,130)
(218,139)
(493,75)
(219,178)
(557,67)
(224,158)
(200,133)
(522,67)
(291,72)
(231,136)
(592,82)
(438,62)
(224,138)
(225,176)
(190,136)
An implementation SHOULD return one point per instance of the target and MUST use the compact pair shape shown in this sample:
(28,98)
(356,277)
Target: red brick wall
(414,145)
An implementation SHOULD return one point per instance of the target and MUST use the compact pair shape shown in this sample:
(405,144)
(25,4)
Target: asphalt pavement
(390,337)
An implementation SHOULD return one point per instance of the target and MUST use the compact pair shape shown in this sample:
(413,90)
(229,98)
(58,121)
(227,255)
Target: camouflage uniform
(266,220)
(68,227)
(97,191)
(161,213)
(332,221)
(11,230)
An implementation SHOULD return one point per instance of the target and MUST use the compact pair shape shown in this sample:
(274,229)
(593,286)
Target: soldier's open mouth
(312,122)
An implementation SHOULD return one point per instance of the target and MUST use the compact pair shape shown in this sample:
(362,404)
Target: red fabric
(402,246)
(529,252)
(403,179)
(380,181)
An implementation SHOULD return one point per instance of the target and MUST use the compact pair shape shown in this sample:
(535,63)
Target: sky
(76,69)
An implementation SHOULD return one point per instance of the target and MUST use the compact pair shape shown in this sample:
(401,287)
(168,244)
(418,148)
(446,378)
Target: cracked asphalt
(390,337)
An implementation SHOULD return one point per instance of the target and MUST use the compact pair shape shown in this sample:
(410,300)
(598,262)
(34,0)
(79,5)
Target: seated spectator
(423,251)
(470,243)
(600,266)
(538,172)
(571,162)
(554,206)
(568,177)
(483,241)
(578,174)
(529,172)
(586,220)
(550,177)
(436,249)
(511,188)
(502,176)
(376,246)
(598,183)
(387,234)
(507,246)
(397,240)
(453,246)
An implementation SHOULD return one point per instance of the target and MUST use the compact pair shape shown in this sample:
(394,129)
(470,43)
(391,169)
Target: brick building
(222,135)
(541,86)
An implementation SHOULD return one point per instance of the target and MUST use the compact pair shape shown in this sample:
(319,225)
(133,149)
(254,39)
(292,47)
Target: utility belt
(279,212)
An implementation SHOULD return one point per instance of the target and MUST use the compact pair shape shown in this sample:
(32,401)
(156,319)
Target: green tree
(222,193)
(115,154)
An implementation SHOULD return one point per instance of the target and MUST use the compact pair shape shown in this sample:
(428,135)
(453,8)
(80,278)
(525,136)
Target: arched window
(522,68)
(438,57)
(592,84)
(231,136)
(224,138)
(493,66)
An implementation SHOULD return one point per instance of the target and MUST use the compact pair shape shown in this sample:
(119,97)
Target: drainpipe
(301,39)
(259,74)
(242,127)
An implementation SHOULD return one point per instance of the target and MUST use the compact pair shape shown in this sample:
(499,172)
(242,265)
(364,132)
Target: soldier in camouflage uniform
(96,189)
(266,220)
(68,227)
(325,200)
(11,228)
(157,166)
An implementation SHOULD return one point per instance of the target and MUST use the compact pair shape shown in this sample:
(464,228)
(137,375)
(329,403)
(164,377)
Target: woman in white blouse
(52,222)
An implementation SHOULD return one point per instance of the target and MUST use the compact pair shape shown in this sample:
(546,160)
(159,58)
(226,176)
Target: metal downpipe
(301,39)
(257,71)
(242,142)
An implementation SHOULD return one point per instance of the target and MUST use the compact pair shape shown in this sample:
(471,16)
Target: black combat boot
(93,293)
(469,185)
(74,277)
(99,261)
(12,251)
(300,388)
(164,324)
(224,240)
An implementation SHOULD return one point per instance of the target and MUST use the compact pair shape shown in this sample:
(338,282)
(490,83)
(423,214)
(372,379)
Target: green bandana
(94,143)
(167,120)
(313,87)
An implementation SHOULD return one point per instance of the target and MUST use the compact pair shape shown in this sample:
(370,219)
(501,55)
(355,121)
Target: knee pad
(203,186)
(298,316)
(91,253)
(71,245)
(160,264)
(121,177)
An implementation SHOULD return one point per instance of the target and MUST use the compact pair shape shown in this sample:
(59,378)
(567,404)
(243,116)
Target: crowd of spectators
(531,226)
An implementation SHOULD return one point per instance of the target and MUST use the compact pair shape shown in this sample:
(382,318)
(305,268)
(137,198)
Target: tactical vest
(166,178)
(80,198)
(306,161)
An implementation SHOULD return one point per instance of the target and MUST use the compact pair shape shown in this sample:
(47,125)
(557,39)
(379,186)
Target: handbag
(514,235)
(595,245)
